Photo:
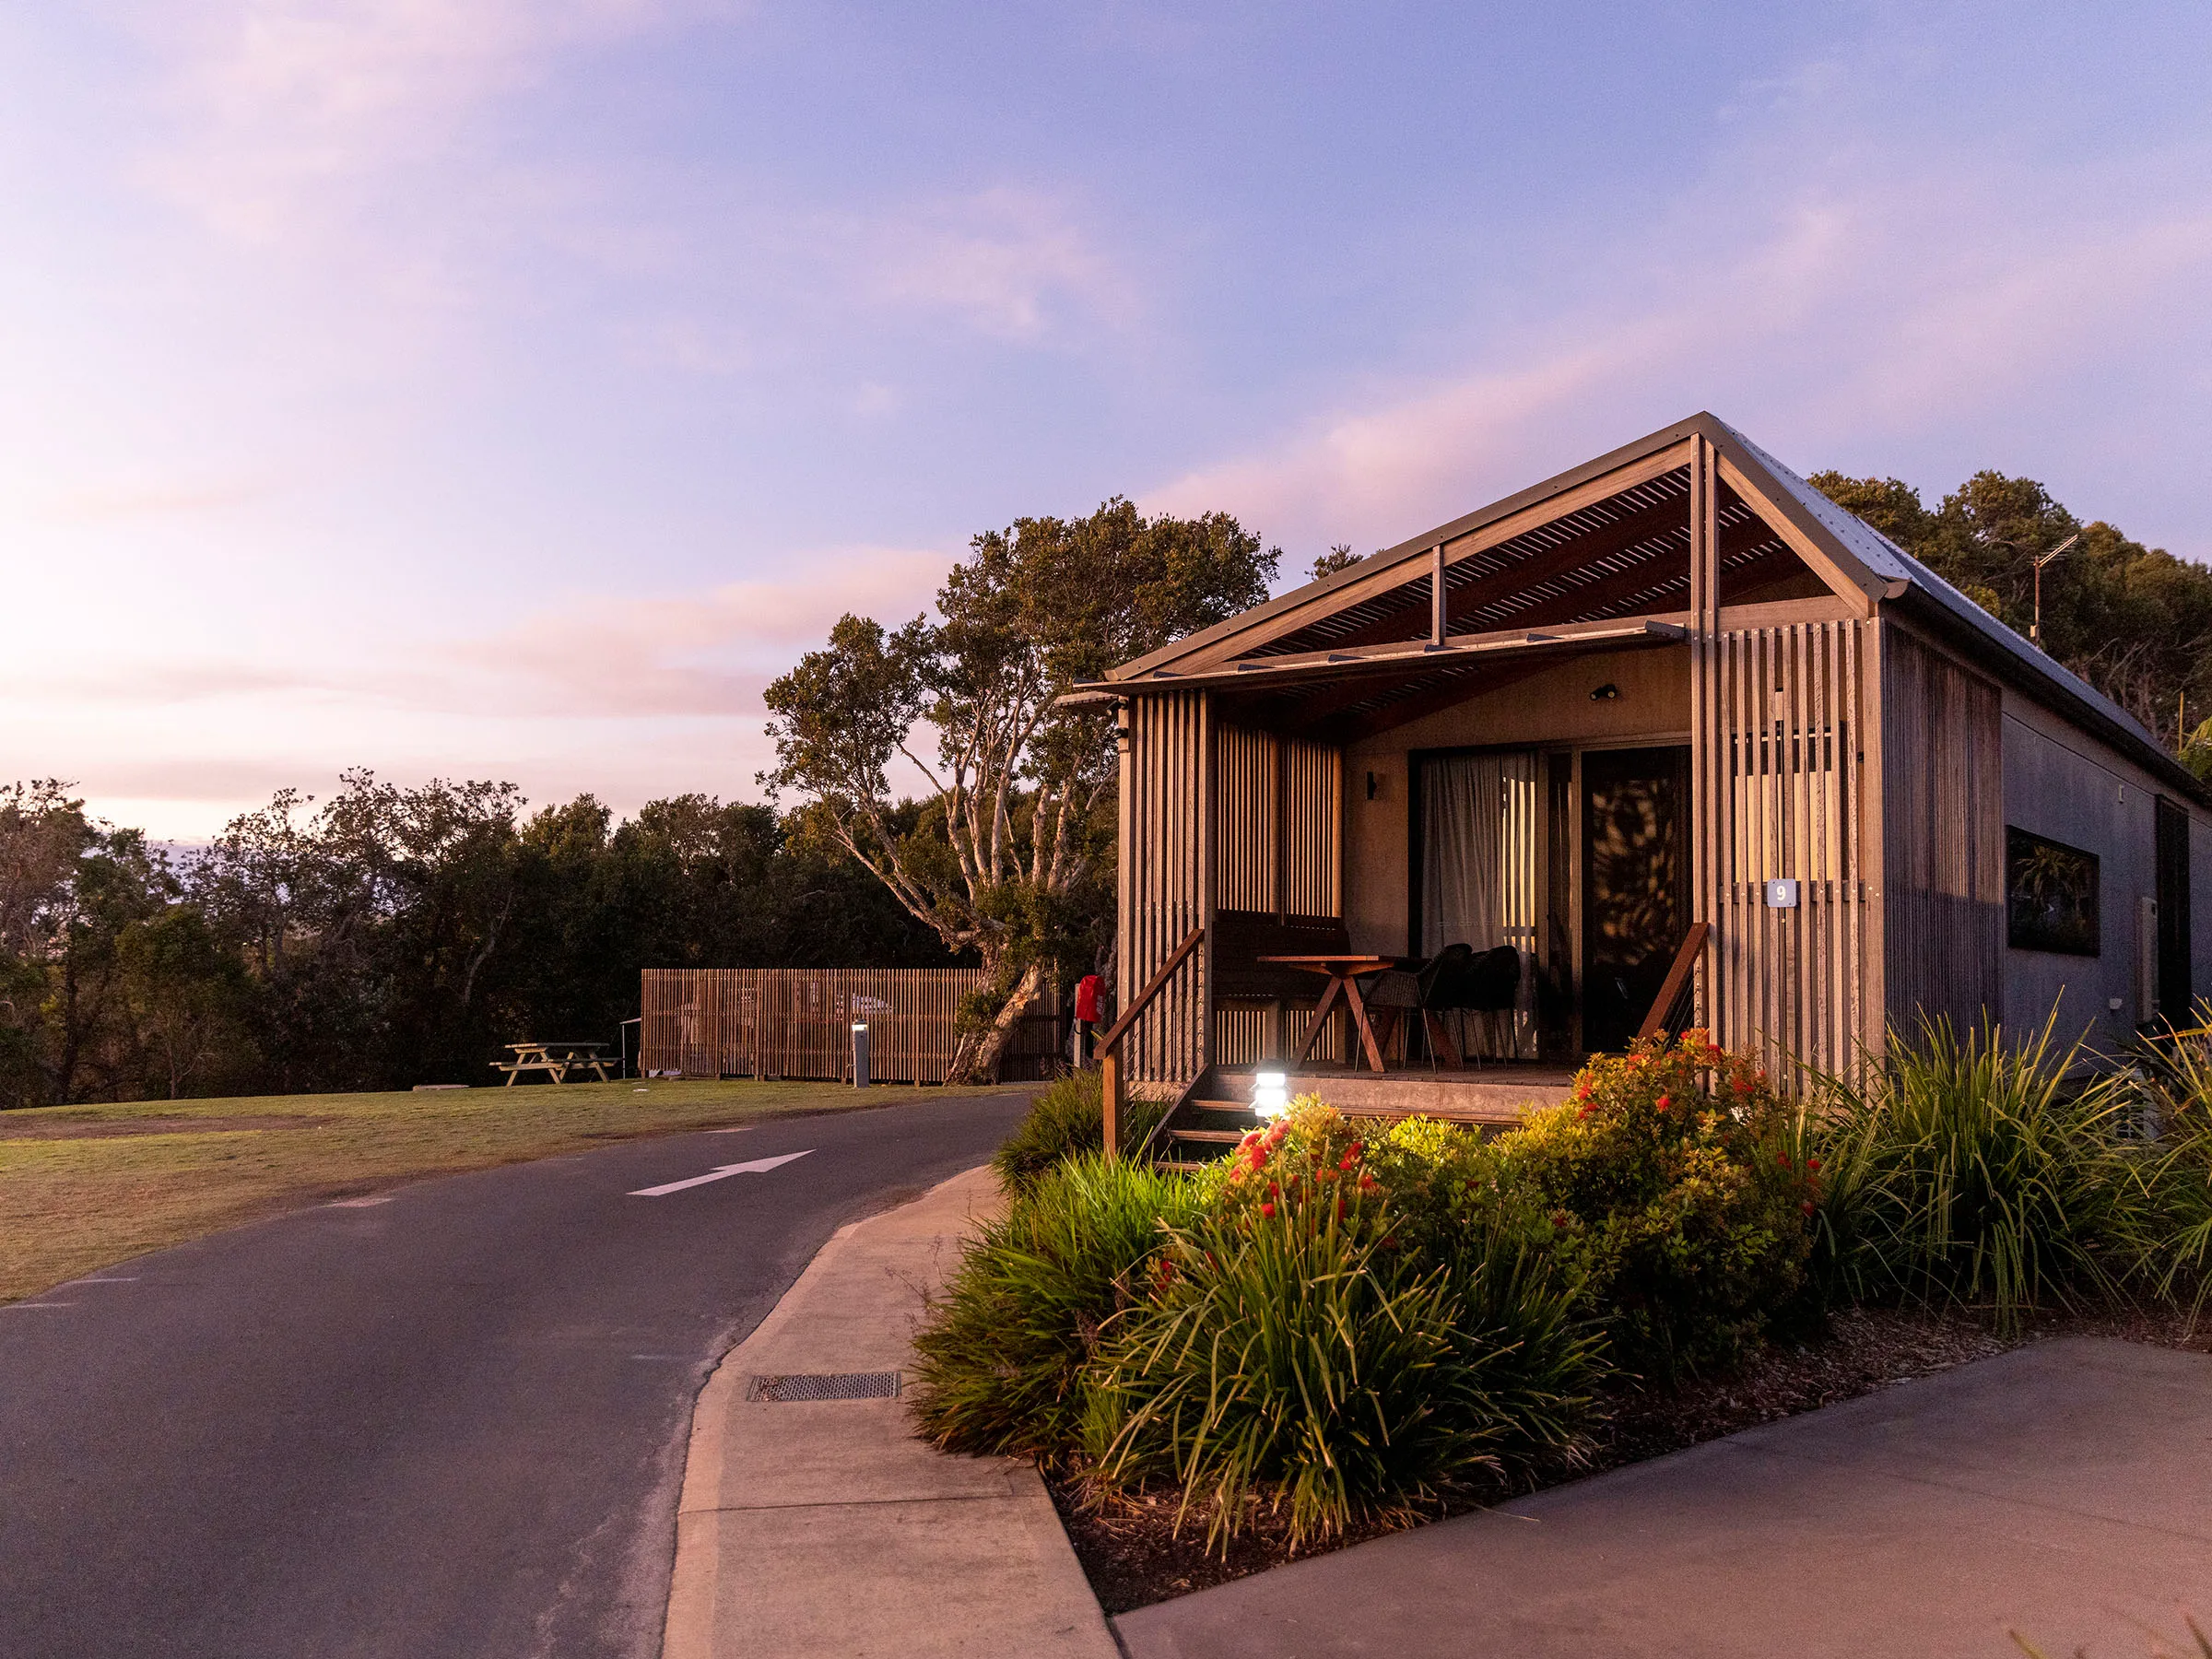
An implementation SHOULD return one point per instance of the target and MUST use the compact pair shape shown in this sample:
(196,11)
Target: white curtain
(1479,879)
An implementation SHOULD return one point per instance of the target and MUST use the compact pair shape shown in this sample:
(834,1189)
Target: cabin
(1669,739)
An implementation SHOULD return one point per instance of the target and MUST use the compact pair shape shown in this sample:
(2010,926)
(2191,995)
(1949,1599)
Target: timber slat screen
(1165,881)
(797,1023)
(1278,851)
(1780,735)
(1791,978)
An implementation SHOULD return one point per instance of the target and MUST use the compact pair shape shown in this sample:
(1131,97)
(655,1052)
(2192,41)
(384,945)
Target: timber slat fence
(797,1022)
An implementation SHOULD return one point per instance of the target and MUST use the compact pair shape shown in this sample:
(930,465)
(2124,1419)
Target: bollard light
(1270,1094)
(860,1055)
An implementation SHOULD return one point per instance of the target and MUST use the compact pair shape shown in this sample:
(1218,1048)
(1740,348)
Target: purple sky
(508,390)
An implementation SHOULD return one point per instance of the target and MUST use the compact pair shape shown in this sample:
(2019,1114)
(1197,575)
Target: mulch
(1136,1553)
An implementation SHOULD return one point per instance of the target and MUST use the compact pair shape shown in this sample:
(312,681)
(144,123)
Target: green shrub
(1975,1172)
(1671,1188)
(998,1362)
(1356,1328)
(1307,1361)
(1068,1119)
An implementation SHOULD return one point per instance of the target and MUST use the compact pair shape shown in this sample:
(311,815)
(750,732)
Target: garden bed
(1340,1330)
(1131,1551)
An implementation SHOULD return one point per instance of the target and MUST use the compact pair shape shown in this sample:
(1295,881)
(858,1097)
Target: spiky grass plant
(1067,1119)
(997,1362)
(1304,1362)
(2174,1239)
(1978,1171)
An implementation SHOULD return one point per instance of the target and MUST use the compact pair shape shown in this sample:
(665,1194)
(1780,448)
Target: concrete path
(2064,1490)
(825,1530)
(443,1423)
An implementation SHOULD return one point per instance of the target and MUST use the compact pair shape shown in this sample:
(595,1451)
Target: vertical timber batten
(1167,879)
(1706,792)
(1784,735)
(1790,717)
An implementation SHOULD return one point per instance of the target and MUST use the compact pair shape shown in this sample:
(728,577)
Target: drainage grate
(833,1385)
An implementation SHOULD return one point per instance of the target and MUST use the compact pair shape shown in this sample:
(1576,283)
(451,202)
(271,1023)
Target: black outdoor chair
(1456,978)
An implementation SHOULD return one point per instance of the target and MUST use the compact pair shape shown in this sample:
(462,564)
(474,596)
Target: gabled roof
(1850,555)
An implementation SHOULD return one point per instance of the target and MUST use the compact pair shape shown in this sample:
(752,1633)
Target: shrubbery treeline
(388,937)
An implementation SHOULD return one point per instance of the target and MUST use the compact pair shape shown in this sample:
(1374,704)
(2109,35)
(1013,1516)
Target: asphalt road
(445,1421)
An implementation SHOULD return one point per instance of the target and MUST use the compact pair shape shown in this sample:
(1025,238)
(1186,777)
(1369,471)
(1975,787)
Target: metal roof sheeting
(1891,562)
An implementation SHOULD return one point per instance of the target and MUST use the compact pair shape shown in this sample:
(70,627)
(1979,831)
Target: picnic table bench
(556,1059)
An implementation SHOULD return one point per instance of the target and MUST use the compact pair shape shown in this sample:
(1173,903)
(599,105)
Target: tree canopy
(388,937)
(2134,621)
(1011,855)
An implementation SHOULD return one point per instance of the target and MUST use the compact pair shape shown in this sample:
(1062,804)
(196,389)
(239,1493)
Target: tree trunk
(983,1067)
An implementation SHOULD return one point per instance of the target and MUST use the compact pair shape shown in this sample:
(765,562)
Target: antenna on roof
(2035,627)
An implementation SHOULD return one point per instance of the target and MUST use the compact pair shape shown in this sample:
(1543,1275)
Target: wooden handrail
(1670,993)
(1153,987)
(1110,1061)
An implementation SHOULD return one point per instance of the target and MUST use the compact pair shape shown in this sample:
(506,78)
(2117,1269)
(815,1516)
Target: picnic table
(556,1059)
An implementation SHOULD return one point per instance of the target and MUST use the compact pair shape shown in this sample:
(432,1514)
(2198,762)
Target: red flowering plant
(1308,1164)
(1675,1181)
(1339,1338)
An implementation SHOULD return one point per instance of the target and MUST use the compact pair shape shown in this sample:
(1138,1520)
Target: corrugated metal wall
(1166,877)
(1942,836)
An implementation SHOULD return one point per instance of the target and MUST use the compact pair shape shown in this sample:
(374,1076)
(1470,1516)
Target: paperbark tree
(1008,858)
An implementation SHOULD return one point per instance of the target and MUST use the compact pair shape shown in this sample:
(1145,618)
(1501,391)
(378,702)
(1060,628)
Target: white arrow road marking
(754,1168)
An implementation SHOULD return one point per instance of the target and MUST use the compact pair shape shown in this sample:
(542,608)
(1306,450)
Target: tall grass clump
(998,1364)
(1319,1348)
(1974,1172)
(1066,1121)
(2174,1238)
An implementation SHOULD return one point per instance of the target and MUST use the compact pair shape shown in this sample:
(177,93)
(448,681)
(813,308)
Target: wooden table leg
(1367,1033)
(1320,1013)
(1385,1022)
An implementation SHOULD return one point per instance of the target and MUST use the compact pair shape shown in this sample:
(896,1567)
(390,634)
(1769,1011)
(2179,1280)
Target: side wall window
(2051,899)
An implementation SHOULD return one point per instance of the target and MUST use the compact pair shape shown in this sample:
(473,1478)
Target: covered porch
(1562,738)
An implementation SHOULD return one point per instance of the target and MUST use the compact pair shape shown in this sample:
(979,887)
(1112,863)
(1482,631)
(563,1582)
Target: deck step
(1227,1137)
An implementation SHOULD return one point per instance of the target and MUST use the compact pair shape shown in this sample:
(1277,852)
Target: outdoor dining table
(556,1059)
(1343,974)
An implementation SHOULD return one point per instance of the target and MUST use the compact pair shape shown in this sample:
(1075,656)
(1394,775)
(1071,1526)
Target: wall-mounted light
(1270,1094)
(1608,693)
(1374,786)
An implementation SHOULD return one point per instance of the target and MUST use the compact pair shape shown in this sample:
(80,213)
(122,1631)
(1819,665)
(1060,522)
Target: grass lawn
(85,1186)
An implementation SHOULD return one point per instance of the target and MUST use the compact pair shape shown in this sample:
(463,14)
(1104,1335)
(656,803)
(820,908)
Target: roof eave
(1739,448)
(2090,714)
(1419,547)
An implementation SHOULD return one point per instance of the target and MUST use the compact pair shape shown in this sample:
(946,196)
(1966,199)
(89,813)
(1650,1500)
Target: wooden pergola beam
(1542,566)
